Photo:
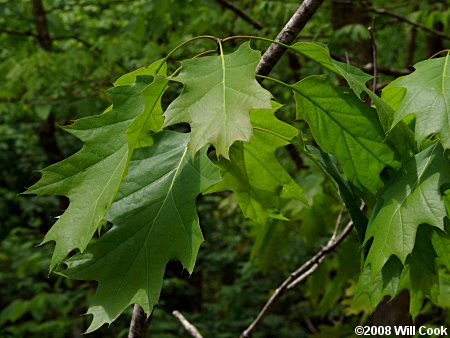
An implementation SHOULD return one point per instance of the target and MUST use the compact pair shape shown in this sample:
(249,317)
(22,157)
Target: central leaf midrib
(169,192)
(222,58)
(341,126)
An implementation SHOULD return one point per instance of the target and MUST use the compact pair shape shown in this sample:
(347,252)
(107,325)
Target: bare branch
(187,325)
(338,223)
(369,67)
(287,35)
(244,16)
(298,276)
(415,24)
(315,262)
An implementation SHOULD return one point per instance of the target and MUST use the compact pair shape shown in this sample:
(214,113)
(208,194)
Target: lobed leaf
(427,96)
(401,137)
(91,177)
(413,197)
(262,186)
(154,220)
(219,92)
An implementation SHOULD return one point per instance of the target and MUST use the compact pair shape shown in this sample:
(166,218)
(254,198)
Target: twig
(347,60)
(298,276)
(239,12)
(138,324)
(369,67)
(187,325)
(315,262)
(338,223)
(310,325)
(415,24)
(287,35)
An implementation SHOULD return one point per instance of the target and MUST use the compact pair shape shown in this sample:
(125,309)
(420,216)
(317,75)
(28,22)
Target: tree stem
(287,35)
(139,323)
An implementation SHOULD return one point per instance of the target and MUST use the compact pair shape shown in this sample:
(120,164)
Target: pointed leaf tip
(91,177)
(218,94)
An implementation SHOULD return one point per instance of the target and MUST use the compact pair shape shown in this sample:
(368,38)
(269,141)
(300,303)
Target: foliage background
(45,83)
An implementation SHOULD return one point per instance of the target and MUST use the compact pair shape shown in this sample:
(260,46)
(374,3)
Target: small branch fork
(301,273)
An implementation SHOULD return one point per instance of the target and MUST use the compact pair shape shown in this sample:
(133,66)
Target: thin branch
(191,329)
(338,223)
(287,35)
(369,67)
(415,24)
(298,276)
(138,324)
(239,12)
(314,262)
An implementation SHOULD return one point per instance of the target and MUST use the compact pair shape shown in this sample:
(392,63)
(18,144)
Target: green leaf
(420,274)
(401,136)
(319,53)
(345,126)
(151,120)
(427,95)
(219,92)
(154,220)
(262,186)
(266,249)
(328,164)
(441,243)
(376,286)
(412,198)
(91,177)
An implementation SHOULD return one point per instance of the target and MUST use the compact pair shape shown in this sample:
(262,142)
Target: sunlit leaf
(219,92)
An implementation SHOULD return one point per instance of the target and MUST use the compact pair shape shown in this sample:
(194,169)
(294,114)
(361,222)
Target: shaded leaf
(219,92)
(329,165)
(262,186)
(401,137)
(319,53)
(420,274)
(343,125)
(377,286)
(412,198)
(154,220)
